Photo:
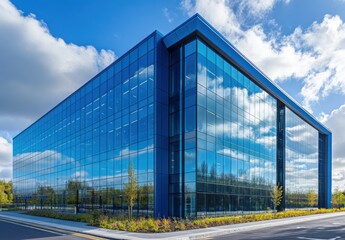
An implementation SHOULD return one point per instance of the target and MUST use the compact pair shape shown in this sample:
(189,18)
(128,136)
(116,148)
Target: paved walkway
(183,235)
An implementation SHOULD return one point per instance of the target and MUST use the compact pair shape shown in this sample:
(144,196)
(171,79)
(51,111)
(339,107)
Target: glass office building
(205,131)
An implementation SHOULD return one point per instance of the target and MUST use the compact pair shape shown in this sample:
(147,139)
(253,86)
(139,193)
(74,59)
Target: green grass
(151,225)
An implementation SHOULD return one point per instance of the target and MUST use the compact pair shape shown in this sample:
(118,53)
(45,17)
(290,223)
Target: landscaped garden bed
(150,225)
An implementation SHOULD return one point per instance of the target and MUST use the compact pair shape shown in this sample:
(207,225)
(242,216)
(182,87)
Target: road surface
(16,230)
(322,229)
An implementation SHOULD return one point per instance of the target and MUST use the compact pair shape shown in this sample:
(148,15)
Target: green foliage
(64,216)
(166,225)
(72,187)
(96,215)
(201,223)
(131,190)
(277,196)
(6,194)
(131,226)
(338,199)
(46,191)
(11,209)
(169,225)
(180,226)
(150,225)
(312,198)
(49,192)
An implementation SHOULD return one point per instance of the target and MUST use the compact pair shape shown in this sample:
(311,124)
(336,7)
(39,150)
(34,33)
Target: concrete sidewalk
(183,235)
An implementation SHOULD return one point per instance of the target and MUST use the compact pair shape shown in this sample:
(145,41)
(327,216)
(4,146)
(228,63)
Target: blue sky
(114,24)
(50,48)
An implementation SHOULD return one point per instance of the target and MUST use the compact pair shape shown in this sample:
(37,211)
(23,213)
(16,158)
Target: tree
(72,187)
(277,196)
(312,198)
(144,195)
(338,199)
(45,191)
(9,191)
(131,190)
(6,194)
(49,193)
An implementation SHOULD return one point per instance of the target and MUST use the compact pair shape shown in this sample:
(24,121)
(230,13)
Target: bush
(96,215)
(132,226)
(63,216)
(9,209)
(166,225)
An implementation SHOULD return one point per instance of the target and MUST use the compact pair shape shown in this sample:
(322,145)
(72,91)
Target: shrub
(121,226)
(200,223)
(150,225)
(180,225)
(95,218)
(132,226)
(63,216)
(166,225)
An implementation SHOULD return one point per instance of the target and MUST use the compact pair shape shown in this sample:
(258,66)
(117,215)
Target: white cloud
(335,122)
(267,140)
(167,14)
(299,133)
(234,154)
(5,159)
(304,178)
(313,55)
(275,56)
(326,41)
(79,174)
(257,8)
(37,69)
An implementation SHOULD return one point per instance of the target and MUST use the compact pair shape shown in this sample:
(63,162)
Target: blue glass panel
(190,72)
(190,48)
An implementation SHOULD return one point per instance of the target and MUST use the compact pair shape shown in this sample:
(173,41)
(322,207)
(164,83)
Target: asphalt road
(14,230)
(323,229)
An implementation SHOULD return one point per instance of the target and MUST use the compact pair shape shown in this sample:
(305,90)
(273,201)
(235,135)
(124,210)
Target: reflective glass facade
(206,132)
(87,142)
(302,157)
(236,138)
(223,151)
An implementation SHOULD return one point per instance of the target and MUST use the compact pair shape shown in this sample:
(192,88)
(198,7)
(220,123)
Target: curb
(224,230)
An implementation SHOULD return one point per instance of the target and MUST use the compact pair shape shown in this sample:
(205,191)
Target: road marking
(52,229)
(305,238)
(87,236)
(35,225)
(28,226)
